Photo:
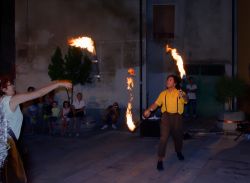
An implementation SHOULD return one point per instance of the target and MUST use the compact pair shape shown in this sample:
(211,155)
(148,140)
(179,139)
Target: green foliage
(56,67)
(229,88)
(85,71)
(76,66)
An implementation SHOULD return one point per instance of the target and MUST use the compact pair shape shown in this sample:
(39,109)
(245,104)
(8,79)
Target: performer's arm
(148,111)
(24,97)
(155,105)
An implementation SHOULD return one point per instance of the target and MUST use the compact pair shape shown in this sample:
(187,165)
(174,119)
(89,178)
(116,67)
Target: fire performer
(10,101)
(172,103)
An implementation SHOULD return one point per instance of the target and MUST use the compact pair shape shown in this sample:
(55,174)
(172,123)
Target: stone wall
(41,26)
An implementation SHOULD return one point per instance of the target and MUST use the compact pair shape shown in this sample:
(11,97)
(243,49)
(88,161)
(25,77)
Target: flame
(178,59)
(130,83)
(84,43)
(130,86)
(131,71)
(129,117)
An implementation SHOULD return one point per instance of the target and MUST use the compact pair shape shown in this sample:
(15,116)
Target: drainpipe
(234,45)
(141,53)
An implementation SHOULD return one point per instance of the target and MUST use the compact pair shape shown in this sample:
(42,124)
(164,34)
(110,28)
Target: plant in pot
(228,90)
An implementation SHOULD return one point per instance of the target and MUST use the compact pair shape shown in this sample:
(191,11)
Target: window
(163,21)
(207,70)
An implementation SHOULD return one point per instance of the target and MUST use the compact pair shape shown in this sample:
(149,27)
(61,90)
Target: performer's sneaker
(104,127)
(114,127)
(160,166)
(180,156)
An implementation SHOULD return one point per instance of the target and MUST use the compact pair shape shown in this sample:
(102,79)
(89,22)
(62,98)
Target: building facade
(201,30)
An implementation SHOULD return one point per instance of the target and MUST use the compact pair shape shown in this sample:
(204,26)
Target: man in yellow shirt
(172,103)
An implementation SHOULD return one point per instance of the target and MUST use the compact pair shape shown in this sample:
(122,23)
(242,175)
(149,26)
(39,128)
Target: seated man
(111,116)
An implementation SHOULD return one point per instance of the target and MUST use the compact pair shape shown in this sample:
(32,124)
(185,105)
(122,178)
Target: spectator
(24,109)
(47,101)
(111,116)
(191,93)
(55,113)
(66,114)
(33,112)
(79,112)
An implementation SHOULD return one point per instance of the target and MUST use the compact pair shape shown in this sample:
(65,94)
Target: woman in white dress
(10,101)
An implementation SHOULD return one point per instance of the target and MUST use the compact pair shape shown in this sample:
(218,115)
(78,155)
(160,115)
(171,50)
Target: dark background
(7,38)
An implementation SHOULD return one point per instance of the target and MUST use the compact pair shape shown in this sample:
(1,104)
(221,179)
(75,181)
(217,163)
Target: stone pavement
(123,157)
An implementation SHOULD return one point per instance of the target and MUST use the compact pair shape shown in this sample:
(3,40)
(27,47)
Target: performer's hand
(181,94)
(65,83)
(146,113)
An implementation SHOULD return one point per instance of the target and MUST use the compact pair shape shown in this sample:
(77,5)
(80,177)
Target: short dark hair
(31,88)
(79,93)
(176,80)
(66,102)
(4,80)
(174,77)
(55,102)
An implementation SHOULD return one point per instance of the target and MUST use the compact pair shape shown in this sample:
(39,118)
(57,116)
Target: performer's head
(7,86)
(172,81)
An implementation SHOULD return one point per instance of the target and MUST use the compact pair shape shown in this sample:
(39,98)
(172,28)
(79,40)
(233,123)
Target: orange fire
(84,43)
(178,59)
(130,85)
(131,71)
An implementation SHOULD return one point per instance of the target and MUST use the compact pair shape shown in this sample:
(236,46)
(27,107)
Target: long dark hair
(66,102)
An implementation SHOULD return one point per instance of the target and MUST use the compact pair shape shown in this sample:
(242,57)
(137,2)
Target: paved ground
(122,157)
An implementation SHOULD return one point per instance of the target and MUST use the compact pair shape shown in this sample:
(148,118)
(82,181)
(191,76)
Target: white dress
(15,119)
(3,137)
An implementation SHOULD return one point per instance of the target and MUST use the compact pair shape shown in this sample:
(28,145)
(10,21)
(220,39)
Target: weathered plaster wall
(203,35)
(113,25)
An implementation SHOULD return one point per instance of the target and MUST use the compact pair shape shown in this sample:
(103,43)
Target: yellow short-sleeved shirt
(168,102)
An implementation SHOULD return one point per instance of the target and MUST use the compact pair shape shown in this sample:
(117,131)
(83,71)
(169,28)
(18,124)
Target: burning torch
(179,63)
(88,44)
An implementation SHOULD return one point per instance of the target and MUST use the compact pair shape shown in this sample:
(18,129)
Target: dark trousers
(171,124)
(191,107)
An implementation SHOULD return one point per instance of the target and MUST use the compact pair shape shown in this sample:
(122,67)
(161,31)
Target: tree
(56,67)
(76,67)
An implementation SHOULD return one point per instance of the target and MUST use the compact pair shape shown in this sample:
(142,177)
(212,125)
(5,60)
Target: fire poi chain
(130,86)
(88,43)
